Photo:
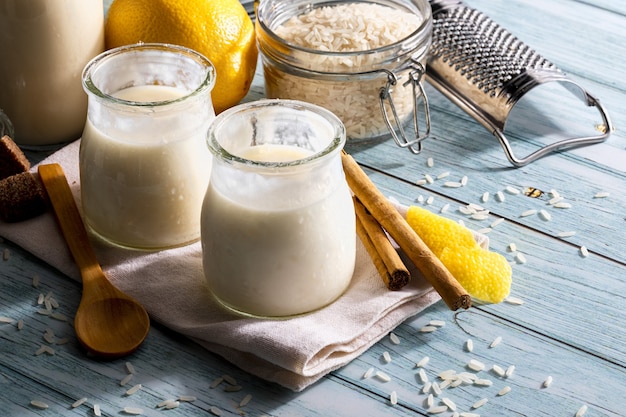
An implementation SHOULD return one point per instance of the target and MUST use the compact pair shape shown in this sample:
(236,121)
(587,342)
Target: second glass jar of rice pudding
(363,61)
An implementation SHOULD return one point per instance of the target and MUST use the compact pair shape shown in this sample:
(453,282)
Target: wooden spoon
(108,323)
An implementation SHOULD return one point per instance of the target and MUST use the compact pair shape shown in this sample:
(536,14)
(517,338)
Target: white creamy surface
(145,193)
(282,261)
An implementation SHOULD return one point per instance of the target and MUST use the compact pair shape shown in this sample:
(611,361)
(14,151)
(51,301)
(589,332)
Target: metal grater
(485,70)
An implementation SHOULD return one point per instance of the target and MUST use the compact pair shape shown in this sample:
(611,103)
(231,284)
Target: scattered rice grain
(79,402)
(545,215)
(35,281)
(423,376)
(134,389)
(129,368)
(584,252)
(480,403)
(445,208)
(449,403)
(569,233)
(6,320)
(6,254)
(216,382)
(426,388)
(187,398)
(511,190)
(62,341)
(436,389)
(245,400)
(430,200)
(165,402)
(514,300)
(485,197)
(233,388)
(520,258)
(368,373)
(504,391)
(172,405)
(483,382)
(563,205)
(437,323)
(428,329)
(469,345)
(437,409)
(382,376)
(509,371)
(43,311)
(485,230)
(429,179)
(39,404)
(394,338)
(126,380)
(443,175)
(444,384)
(420,199)
(430,162)
(386,357)
(475,365)
(601,194)
(512,247)
(480,216)
(547,382)
(58,316)
(135,411)
(430,400)
(20,324)
(555,200)
(500,197)
(96,410)
(527,213)
(581,411)
(421,182)
(498,370)
(469,415)
(452,184)
(496,222)
(496,342)
(422,362)
(40,299)
(215,411)
(464,180)
(393,398)
(229,379)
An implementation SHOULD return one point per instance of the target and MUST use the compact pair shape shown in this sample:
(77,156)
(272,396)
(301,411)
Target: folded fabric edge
(297,382)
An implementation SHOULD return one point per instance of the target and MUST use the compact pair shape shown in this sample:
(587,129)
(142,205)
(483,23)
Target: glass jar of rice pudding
(144,166)
(364,61)
(278,222)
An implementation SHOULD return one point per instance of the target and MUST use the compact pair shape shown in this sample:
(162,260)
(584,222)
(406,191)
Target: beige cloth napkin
(294,352)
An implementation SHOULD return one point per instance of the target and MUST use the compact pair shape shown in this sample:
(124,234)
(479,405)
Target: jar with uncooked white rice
(363,61)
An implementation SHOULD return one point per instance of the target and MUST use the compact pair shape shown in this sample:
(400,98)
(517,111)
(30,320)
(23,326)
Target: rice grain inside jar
(363,61)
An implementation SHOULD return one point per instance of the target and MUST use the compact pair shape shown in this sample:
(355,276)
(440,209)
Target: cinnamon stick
(453,294)
(392,270)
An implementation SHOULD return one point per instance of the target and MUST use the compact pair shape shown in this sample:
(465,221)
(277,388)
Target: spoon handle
(67,215)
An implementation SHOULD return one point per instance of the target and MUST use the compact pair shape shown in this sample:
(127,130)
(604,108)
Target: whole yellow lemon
(221,30)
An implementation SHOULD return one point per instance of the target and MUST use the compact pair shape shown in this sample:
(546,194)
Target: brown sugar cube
(21,197)
(12,159)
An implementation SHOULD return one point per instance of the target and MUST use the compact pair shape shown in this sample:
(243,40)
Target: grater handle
(564,143)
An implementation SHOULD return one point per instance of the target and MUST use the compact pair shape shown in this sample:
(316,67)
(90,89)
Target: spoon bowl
(108,323)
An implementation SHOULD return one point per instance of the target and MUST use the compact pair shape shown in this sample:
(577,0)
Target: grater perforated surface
(481,50)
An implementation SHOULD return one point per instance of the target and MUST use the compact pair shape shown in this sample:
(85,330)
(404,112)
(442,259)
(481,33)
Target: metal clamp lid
(416,73)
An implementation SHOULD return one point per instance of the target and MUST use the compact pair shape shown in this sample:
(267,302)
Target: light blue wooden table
(570,328)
